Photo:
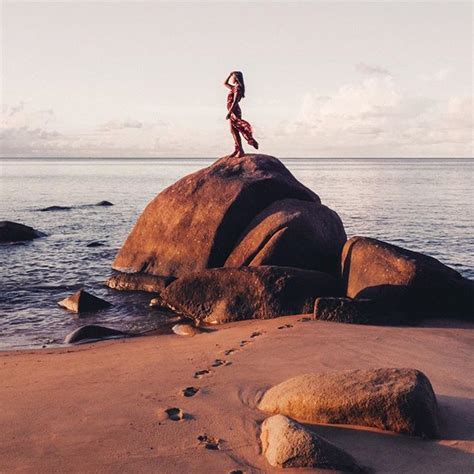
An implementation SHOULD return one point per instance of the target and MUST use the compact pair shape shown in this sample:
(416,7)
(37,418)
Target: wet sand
(101,407)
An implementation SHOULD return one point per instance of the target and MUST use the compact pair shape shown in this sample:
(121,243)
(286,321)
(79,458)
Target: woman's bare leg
(239,151)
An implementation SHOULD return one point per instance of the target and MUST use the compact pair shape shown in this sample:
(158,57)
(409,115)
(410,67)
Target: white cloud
(375,117)
(368,70)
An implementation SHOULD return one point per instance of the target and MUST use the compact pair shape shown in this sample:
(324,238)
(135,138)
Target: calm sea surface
(424,205)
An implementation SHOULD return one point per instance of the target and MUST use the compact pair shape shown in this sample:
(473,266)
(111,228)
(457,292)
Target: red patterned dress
(236,117)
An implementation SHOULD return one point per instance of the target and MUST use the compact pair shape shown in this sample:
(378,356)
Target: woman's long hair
(239,77)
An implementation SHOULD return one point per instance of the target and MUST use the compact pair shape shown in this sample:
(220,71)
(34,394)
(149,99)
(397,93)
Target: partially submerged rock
(95,243)
(15,232)
(104,203)
(139,282)
(286,443)
(92,332)
(82,301)
(400,400)
(292,233)
(405,279)
(353,311)
(222,295)
(195,223)
(55,208)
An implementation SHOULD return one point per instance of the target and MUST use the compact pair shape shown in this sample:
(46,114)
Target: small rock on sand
(83,301)
(186,330)
(286,443)
(400,400)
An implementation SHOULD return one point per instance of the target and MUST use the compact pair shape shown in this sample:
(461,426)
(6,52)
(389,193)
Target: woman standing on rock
(235,82)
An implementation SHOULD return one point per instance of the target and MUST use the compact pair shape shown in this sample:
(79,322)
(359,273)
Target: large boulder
(286,443)
(292,233)
(138,282)
(195,223)
(400,400)
(15,232)
(222,295)
(409,280)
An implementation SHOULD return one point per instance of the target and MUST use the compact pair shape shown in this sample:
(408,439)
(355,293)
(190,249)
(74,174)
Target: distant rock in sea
(83,301)
(15,232)
(92,332)
(56,208)
(95,243)
(104,203)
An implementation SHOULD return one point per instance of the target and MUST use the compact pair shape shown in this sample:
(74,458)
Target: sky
(323,79)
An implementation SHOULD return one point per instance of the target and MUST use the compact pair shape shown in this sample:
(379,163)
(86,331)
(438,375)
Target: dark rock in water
(15,232)
(83,301)
(104,203)
(400,400)
(222,295)
(96,243)
(92,332)
(292,233)
(287,444)
(56,208)
(195,223)
(404,279)
(354,311)
(139,282)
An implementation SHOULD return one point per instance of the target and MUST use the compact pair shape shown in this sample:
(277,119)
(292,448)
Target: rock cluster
(244,239)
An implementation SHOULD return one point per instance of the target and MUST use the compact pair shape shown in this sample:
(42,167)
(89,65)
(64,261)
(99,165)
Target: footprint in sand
(201,373)
(229,352)
(209,442)
(256,334)
(304,319)
(244,343)
(175,414)
(190,391)
(285,326)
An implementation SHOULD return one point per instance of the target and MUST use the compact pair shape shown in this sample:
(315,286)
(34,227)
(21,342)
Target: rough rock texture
(139,282)
(195,223)
(15,232)
(410,280)
(222,295)
(354,311)
(400,400)
(83,301)
(286,443)
(92,332)
(292,233)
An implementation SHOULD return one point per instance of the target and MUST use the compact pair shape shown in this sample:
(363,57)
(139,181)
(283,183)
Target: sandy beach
(100,407)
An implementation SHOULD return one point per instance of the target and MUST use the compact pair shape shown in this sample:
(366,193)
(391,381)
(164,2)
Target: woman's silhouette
(235,82)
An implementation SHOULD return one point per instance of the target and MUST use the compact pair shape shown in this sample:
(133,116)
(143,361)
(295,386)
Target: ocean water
(421,204)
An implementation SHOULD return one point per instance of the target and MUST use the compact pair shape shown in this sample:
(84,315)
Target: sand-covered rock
(195,223)
(292,233)
(222,295)
(354,311)
(286,443)
(15,232)
(139,282)
(82,301)
(92,332)
(400,400)
(409,280)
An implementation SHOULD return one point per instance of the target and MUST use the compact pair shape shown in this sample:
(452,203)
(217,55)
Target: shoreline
(100,406)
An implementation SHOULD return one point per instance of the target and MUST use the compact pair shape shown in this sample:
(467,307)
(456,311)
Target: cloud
(376,117)
(371,70)
(438,76)
(120,125)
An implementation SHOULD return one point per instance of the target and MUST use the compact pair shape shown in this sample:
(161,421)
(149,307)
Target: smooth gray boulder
(399,400)
(82,301)
(288,444)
